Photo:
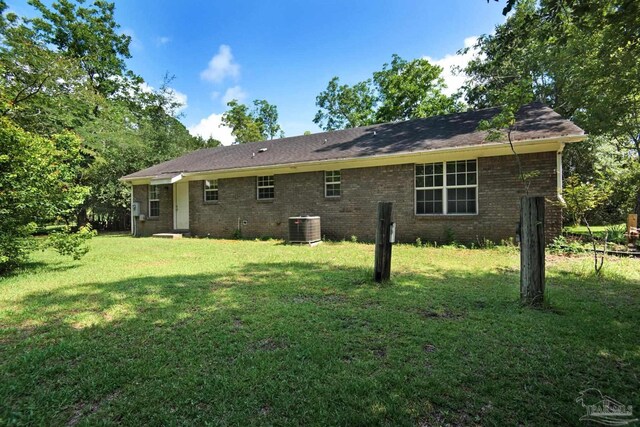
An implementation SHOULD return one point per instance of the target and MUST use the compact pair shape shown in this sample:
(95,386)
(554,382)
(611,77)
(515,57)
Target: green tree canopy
(401,90)
(257,124)
(578,56)
(344,106)
(37,186)
(63,73)
(410,89)
(267,117)
(88,34)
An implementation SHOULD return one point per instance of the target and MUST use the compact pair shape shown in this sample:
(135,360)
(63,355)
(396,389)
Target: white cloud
(221,66)
(146,88)
(450,62)
(232,93)
(212,127)
(161,41)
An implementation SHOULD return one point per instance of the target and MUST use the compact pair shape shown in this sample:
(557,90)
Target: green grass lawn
(215,332)
(598,230)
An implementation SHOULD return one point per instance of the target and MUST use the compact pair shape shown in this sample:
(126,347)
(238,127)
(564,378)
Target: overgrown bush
(561,245)
(583,197)
(486,243)
(616,233)
(37,186)
(15,245)
(71,244)
(449,236)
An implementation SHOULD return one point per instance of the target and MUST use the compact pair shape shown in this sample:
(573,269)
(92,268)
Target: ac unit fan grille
(304,229)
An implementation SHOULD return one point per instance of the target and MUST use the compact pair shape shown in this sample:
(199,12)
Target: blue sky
(285,51)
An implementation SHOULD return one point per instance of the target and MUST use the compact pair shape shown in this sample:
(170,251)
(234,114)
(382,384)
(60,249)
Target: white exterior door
(181,205)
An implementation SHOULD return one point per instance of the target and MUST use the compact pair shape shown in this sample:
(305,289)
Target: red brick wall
(161,224)
(353,214)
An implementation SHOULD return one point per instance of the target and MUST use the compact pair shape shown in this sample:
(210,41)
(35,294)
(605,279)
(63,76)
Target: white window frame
(327,183)
(156,199)
(263,186)
(212,188)
(444,187)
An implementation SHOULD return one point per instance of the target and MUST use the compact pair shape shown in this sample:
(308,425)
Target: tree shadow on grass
(305,343)
(31,267)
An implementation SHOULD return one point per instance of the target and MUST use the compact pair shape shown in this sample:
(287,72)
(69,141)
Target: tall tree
(579,56)
(243,125)
(64,71)
(249,125)
(37,186)
(344,106)
(267,117)
(410,89)
(41,90)
(401,90)
(88,34)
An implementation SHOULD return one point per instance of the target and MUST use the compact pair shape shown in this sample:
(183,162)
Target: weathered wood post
(632,230)
(532,250)
(382,265)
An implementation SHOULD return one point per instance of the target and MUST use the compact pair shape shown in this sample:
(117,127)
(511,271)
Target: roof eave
(565,139)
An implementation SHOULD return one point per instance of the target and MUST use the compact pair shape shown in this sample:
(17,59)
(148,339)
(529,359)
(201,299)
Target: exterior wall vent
(304,229)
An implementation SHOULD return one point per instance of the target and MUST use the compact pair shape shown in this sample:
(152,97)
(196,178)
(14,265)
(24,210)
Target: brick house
(445,178)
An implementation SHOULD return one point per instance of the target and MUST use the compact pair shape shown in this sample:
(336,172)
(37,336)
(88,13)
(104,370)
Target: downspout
(133,219)
(559,175)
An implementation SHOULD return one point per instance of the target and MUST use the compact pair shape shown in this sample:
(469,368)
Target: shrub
(561,245)
(15,245)
(486,243)
(38,186)
(449,236)
(582,197)
(71,244)
(616,233)
(510,242)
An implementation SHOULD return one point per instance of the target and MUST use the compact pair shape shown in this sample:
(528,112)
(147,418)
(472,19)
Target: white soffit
(166,178)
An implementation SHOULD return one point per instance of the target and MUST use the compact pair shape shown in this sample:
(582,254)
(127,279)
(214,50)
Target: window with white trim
(211,190)
(266,187)
(447,188)
(154,200)
(332,184)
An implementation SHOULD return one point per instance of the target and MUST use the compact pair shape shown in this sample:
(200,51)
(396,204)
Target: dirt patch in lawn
(82,410)
(445,314)
(269,344)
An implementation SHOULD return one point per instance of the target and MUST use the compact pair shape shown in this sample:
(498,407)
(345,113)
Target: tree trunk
(81,217)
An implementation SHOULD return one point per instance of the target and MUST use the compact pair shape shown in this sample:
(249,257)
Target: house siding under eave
(353,214)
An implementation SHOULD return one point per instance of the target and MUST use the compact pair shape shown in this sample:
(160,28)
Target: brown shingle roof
(534,121)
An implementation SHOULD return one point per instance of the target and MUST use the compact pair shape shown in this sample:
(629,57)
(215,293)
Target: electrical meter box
(135,209)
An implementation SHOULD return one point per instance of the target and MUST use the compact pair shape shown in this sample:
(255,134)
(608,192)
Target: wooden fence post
(532,248)
(632,230)
(382,267)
